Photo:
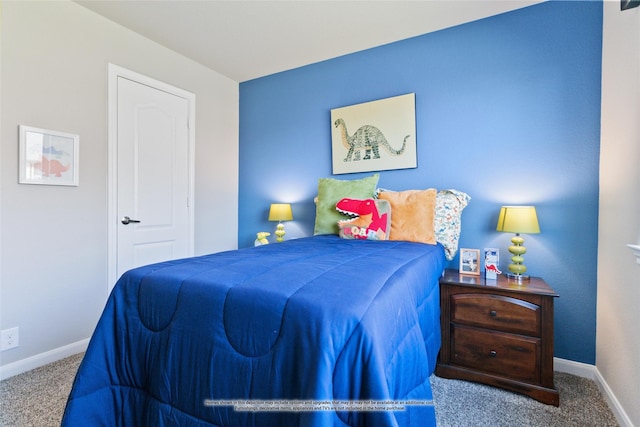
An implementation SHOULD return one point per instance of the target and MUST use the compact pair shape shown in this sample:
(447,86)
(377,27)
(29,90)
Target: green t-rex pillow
(330,191)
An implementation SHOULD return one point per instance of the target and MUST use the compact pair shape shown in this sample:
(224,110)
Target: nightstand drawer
(497,312)
(515,356)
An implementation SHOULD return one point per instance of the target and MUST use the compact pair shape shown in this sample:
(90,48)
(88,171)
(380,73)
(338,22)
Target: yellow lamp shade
(518,219)
(280,212)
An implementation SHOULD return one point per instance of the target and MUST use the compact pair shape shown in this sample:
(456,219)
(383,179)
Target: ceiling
(244,40)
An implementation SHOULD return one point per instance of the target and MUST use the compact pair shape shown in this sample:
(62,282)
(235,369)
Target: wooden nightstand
(498,332)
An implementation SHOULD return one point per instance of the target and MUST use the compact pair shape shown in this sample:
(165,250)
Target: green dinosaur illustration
(368,138)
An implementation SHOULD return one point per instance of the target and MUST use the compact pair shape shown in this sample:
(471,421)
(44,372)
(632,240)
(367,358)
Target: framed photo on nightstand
(469,259)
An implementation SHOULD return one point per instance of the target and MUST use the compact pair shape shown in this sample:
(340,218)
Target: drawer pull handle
(493,313)
(493,353)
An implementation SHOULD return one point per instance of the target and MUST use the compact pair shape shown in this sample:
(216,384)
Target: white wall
(53,240)
(618,317)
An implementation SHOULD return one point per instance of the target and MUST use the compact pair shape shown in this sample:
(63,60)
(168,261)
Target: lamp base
(280,233)
(518,278)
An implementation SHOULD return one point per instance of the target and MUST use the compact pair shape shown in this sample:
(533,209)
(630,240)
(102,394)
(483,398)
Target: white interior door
(153,174)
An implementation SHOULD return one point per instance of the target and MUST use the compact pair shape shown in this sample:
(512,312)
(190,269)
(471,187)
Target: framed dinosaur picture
(374,136)
(48,157)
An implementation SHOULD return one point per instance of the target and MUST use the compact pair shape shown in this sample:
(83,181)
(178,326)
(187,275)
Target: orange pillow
(412,214)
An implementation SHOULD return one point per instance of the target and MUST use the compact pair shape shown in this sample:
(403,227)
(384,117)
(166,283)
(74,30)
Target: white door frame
(114,72)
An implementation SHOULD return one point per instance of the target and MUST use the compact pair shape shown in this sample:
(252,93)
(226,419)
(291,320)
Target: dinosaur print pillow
(448,219)
(371,219)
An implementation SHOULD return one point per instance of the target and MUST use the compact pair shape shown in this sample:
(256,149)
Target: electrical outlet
(9,339)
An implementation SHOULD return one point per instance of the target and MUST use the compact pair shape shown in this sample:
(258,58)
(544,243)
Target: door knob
(126,220)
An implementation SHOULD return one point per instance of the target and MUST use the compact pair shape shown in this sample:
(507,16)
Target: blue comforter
(317,331)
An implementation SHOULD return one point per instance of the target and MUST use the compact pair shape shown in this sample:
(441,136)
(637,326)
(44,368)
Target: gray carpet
(462,404)
(37,399)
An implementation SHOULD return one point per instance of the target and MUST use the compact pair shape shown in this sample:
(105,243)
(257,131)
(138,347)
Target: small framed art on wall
(48,157)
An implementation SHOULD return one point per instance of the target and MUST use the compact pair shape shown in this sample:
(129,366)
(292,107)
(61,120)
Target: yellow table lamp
(518,219)
(280,212)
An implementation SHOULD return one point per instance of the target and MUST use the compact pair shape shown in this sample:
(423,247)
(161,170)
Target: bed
(338,329)
(316,331)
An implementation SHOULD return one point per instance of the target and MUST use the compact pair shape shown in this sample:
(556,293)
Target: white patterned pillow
(447,221)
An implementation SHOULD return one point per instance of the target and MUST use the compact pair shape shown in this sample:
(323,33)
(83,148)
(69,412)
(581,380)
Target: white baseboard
(24,365)
(579,369)
(590,371)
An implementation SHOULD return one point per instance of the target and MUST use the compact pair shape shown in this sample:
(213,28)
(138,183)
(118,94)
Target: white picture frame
(470,261)
(48,157)
(374,136)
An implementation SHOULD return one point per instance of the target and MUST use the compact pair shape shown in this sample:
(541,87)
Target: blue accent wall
(507,110)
